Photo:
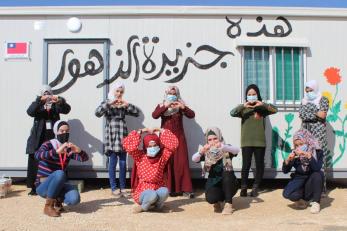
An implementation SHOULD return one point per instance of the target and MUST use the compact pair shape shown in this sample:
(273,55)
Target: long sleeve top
(151,175)
(315,165)
(49,160)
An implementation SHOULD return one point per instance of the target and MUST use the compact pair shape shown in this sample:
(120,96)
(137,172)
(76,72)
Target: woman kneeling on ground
(150,190)
(221,184)
(54,156)
(307,181)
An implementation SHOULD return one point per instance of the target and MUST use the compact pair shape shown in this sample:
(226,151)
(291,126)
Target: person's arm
(62,107)
(131,145)
(323,110)
(132,110)
(103,109)
(288,163)
(77,154)
(230,148)
(316,164)
(198,157)
(169,142)
(46,152)
(189,113)
(266,109)
(237,111)
(159,111)
(35,109)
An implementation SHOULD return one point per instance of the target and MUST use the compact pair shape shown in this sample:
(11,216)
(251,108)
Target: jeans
(113,159)
(55,186)
(153,197)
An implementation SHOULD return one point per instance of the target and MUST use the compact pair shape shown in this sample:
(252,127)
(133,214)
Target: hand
(247,105)
(181,105)
(156,129)
(175,105)
(291,157)
(322,114)
(167,104)
(74,148)
(55,98)
(204,149)
(218,144)
(62,148)
(148,130)
(308,155)
(258,103)
(44,98)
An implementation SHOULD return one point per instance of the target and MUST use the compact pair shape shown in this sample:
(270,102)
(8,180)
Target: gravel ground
(99,211)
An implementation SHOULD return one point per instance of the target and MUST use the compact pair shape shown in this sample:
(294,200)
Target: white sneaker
(116,193)
(315,207)
(301,204)
(125,194)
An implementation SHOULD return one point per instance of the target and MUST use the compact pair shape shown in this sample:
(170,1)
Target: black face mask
(63,138)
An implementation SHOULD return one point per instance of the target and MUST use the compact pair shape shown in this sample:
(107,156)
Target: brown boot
(58,205)
(49,208)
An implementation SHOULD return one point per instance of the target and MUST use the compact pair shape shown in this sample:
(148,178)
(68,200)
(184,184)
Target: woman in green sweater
(252,114)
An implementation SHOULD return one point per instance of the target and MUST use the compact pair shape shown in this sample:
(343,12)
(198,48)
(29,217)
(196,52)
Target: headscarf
(146,140)
(312,145)
(55,142)
(313,84)
(212,158)
(45,88)
(171,111)
(111,93)
(256,89)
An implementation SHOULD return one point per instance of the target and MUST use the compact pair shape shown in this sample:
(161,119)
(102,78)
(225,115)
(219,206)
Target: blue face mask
(214,150)
(304,148)
(171,98)
(311,95)
(252,98)
(153,151)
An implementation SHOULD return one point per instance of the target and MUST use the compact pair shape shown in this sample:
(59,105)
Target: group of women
(161,166)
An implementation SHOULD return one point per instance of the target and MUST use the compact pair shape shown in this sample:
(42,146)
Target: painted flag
(17,48)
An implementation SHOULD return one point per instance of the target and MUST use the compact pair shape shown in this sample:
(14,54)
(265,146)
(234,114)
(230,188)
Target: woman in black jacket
(45,110)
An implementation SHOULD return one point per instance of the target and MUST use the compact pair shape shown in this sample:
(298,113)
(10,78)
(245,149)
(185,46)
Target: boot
(254,192)
(228,209)
(49,208)
(243,192)
(217,207)
(58,205)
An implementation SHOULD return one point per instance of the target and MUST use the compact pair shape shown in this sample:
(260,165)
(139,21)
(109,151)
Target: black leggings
(259,153)
(32,171)
(224,190)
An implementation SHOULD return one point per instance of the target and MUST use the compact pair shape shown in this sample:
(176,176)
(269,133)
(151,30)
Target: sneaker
(217,207)
(125,194)
(228,209)
(137,209)
(301,204)
(243,192)
(315,208)
(190,195)
(176,194)
(254,192)
(116,193)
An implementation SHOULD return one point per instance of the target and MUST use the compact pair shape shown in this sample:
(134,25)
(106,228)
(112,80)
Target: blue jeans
(153,197)
(55,186)
(113,159)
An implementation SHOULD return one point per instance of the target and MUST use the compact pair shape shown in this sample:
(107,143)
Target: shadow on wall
(84,140)
(331,148)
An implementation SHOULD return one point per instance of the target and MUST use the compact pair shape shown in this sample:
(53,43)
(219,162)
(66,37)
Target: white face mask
(311,95)
(252,98)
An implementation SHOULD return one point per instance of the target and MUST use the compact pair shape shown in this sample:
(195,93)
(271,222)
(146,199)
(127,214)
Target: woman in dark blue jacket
(307,180)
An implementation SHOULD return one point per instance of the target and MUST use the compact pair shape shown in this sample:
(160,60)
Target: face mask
(311,95)
(171,98)
(153,151)
(252,98)
(303,148)
(214,150)
(63,138)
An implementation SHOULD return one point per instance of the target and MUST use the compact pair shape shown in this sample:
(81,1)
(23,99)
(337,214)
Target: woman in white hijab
(313,112)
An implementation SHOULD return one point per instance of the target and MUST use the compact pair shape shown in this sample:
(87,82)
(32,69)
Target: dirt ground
(99,211)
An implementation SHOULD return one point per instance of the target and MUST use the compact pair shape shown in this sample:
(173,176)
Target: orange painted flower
(329,96)
(333,75)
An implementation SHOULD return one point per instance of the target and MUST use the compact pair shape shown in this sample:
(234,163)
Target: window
(278,72)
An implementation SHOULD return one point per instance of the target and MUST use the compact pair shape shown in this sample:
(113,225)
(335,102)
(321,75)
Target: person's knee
(163,193)
(73,198)
(286,194)
(60,175)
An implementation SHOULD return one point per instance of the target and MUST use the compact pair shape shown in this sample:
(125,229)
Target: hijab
(111,93)
(313,84)
(55,142)
(171,111)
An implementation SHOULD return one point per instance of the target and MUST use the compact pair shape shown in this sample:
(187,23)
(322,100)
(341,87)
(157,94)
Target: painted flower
(333,75)
(289,117)
(329,96)
(345,106)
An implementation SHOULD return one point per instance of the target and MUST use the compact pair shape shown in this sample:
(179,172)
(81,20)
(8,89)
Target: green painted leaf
(336,108)
(338,133)
(341,148)
(332,118)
